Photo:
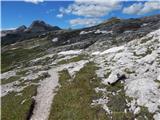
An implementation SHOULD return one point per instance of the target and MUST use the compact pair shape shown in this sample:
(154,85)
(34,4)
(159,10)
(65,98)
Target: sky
(72,14)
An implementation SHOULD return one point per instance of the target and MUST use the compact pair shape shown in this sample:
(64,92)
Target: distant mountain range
(21,33)
(117,26)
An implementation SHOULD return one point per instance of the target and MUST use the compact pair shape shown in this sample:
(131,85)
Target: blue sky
(75,14)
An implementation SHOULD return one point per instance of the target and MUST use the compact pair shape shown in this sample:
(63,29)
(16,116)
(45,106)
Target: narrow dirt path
(45,94)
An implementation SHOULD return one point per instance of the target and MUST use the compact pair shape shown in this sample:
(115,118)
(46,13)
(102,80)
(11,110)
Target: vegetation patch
(73,99)
(12,57)
(117,102)
(74,59)
(17,107)
(9,80)
(149,51)
(22,72)
(144,114)
(144,40)
(107,74)
(129,71)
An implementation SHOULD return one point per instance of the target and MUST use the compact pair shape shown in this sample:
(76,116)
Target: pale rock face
(141,70)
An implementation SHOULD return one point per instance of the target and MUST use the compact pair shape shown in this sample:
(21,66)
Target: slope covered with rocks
(106,72)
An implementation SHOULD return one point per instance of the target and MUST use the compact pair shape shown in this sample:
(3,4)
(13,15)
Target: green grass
(11,79)
(22,72)
(73,99)
(12,107)
(122,116)
(64,77)
(12,57)
(74,59)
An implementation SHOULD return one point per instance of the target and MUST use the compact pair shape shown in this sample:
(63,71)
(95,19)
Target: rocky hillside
(106,72)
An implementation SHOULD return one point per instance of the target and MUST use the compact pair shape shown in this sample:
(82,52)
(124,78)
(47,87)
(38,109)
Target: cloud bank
(84,21)
(140,8)
(91,10)
(34,1)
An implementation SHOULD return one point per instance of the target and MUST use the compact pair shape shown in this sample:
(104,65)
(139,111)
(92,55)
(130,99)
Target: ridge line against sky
(75,14)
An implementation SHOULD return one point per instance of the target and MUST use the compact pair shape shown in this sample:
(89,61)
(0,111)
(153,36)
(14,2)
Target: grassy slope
(74,98)
(12,57)
(12,107)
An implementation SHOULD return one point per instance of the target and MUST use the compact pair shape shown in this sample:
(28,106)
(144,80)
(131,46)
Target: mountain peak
(21,28)
(40,26)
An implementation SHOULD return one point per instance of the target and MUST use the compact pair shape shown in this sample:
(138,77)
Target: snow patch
(70,52)
(55,40)
(85,32)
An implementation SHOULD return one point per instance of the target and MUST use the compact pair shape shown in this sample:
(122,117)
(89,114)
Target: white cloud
(60,15)
(84,21)
(91,8)
(34,1)
(50,11)
(140,8)
(133,9)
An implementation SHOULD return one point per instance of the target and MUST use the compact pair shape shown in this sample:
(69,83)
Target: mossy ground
(9,80)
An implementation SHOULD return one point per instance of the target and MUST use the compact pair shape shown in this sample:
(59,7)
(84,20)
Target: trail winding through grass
(45,94)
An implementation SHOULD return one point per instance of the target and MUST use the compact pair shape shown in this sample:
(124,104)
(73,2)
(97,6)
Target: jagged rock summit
(41,26)
(22,33)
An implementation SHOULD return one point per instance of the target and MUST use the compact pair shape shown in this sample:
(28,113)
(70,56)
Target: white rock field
(142,58)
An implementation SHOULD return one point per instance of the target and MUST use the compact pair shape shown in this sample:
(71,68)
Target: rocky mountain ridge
(21,33)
